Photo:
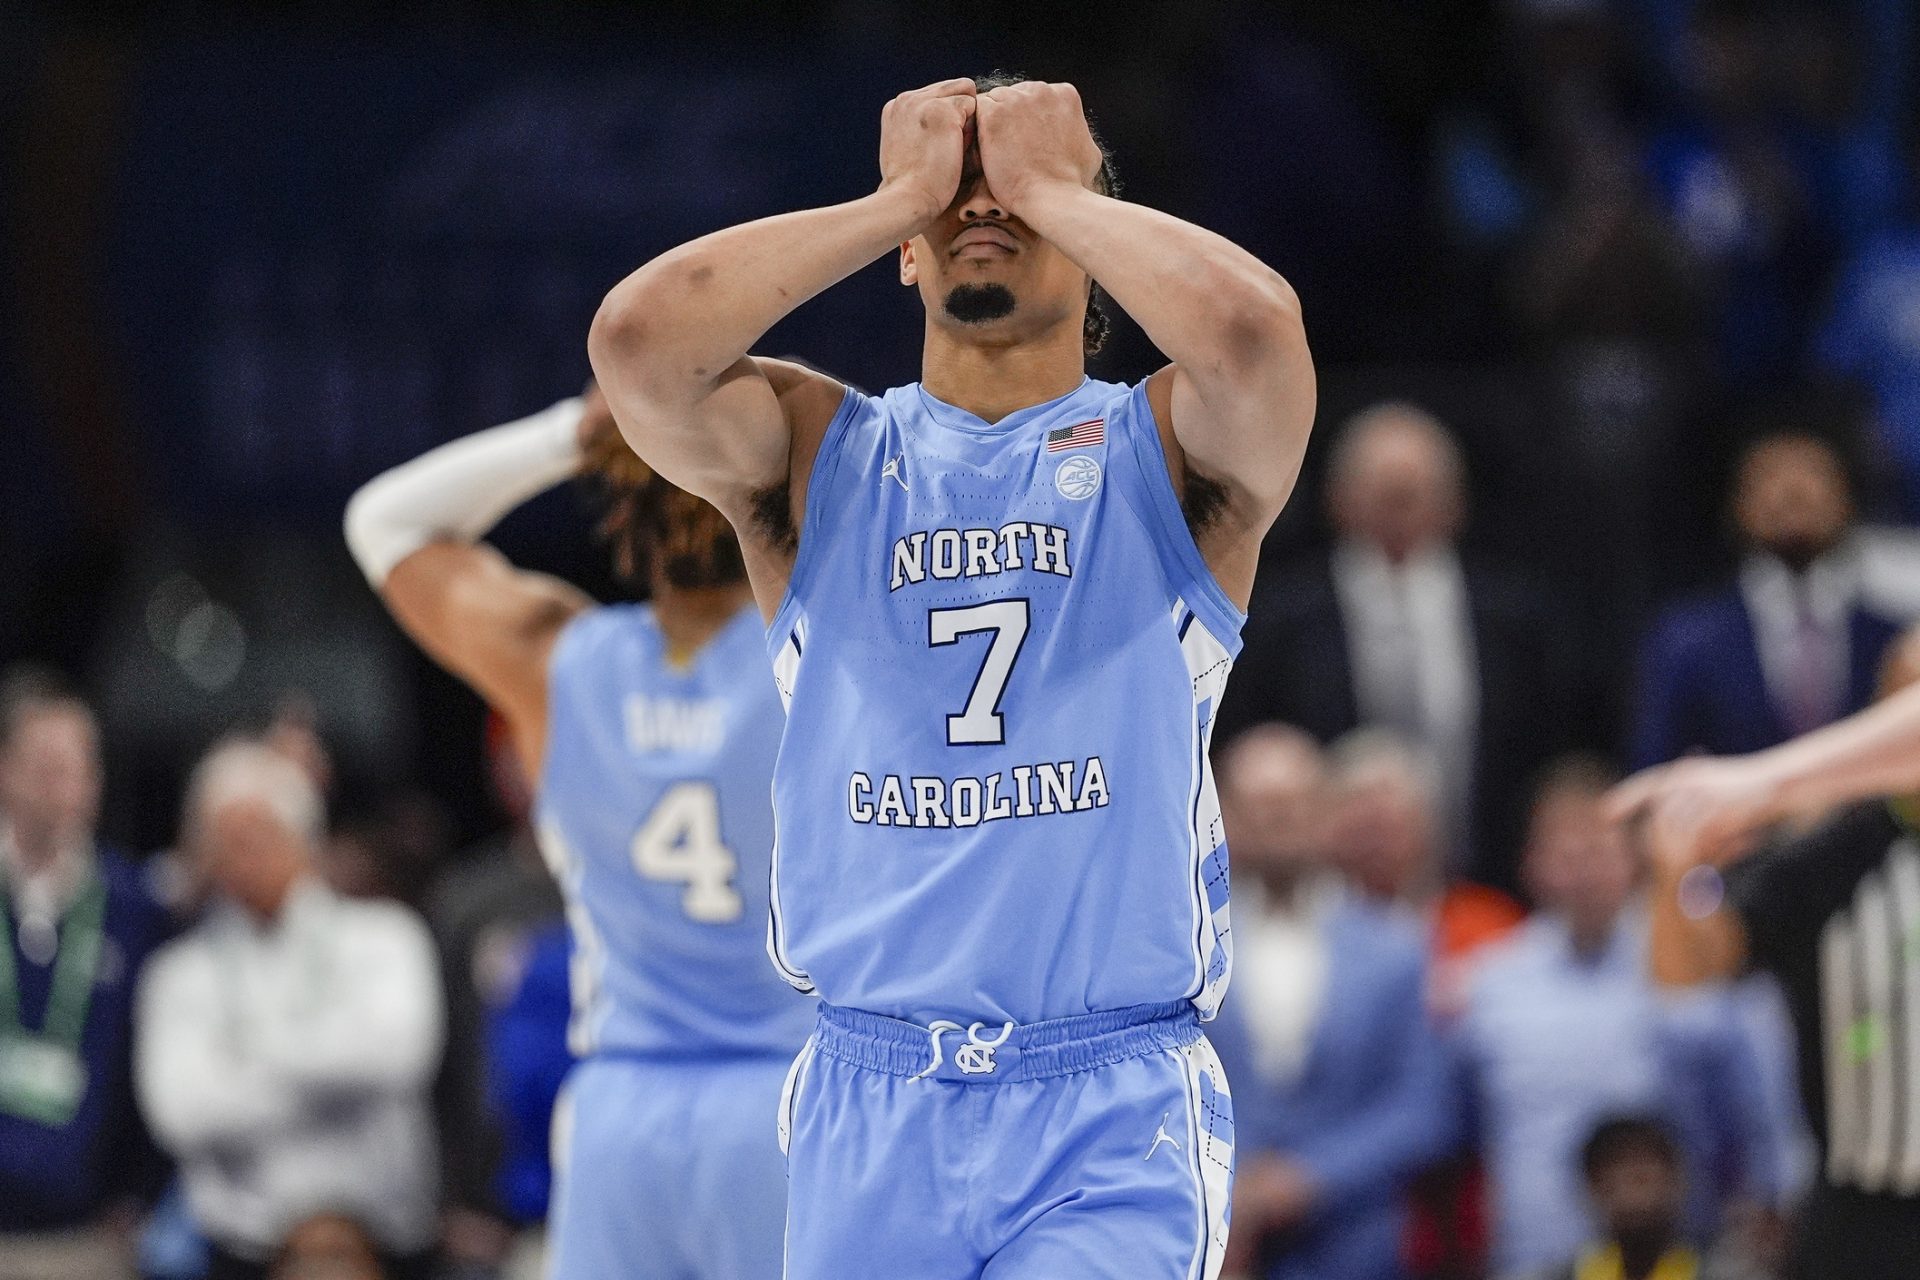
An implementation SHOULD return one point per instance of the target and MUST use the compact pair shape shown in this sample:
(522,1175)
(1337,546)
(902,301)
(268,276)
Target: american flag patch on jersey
(1080,435)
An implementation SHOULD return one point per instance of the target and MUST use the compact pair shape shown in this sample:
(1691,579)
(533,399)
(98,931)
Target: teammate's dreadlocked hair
(652,524)
(1107,183)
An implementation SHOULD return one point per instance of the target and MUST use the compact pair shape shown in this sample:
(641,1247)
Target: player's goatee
(979,303)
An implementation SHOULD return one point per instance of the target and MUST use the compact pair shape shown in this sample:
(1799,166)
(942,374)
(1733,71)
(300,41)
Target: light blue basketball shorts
(1086,1147)
(668,1170)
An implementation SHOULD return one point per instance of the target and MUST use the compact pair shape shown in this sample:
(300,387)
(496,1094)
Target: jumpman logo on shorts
(1161,1135)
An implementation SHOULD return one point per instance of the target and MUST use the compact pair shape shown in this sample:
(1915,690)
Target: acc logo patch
(1078,478)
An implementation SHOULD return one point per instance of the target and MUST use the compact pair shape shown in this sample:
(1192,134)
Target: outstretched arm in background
(1706,811)
(1239,398)
(415,532)
(1704,808)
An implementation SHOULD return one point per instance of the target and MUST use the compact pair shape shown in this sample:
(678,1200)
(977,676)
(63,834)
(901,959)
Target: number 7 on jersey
(980,724)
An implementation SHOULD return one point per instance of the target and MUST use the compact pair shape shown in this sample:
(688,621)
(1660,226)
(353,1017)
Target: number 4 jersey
(1001,651)
(653,813)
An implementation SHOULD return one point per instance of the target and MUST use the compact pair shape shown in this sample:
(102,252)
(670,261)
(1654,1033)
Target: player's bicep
(1246,429)
(487,622)
(728,439)
(809,400)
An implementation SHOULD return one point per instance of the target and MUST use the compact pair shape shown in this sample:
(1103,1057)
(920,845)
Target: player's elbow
(639,337)
(619,342)
(630,366)
(1259,326)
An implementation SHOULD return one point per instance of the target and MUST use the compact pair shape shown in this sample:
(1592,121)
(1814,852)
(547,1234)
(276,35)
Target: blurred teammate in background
(651,732)
(1003,604)
(1834,914)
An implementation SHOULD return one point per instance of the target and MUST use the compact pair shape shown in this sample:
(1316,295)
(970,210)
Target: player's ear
(909,271)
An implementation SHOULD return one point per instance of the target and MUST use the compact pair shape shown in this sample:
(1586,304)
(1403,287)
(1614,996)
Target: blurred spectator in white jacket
(287,1044)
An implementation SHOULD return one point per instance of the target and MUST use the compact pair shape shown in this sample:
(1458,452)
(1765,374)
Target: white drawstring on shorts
(975,1057)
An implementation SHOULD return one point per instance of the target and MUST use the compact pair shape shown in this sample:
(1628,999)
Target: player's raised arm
(415,532)
(670,341)
(1242,389)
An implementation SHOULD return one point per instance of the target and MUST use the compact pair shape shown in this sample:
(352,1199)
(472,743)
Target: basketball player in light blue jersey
(651,731)
(1002,605)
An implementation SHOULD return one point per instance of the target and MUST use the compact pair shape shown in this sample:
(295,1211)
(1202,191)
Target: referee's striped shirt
(1835,915)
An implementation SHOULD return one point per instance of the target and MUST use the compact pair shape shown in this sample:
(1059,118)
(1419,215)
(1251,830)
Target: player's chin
(982,271)
(980,302)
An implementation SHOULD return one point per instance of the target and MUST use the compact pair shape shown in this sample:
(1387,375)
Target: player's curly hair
(1099,326)
(651,523)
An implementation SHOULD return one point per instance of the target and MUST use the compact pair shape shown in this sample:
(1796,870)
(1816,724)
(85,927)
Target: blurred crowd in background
(1617,310)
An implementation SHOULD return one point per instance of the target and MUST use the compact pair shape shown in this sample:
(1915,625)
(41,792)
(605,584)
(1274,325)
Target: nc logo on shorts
(1078,478)
(975,1057)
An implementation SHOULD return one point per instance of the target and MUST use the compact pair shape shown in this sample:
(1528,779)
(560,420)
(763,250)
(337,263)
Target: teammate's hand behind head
(1033,134)
(923,143)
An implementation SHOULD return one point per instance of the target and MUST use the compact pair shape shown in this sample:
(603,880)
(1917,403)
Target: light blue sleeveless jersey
(653,813)
(1001,652)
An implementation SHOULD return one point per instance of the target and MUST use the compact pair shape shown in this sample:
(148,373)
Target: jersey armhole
(826,466)
(1167,525)
(577,631)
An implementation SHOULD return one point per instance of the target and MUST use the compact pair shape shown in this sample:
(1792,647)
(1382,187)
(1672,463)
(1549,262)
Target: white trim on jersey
(776,944)
(560,1130)
(786,671)
(786,664)
(1208,665)
(587,966)
(1196,893)
(790,1093)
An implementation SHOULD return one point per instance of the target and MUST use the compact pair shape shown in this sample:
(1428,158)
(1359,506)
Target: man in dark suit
(77,925)
(1787,646)
(1340,1090)
(1395,627)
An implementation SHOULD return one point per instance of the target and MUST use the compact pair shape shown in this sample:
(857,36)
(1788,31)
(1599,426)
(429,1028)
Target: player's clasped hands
(1032,134)
(1027,135)
(924,134)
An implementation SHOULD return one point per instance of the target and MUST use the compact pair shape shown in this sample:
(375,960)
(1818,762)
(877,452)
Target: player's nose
(978,201)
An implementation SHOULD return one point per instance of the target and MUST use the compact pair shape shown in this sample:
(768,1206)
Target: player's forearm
(461,489)
(1873,753)
(1209,305)
(667,333)
(1692,942)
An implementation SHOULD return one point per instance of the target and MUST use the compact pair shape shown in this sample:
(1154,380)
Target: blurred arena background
(252,259)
